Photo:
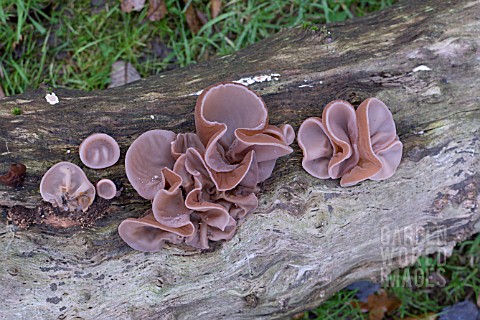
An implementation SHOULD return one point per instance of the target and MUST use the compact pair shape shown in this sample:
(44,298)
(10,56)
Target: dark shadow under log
(309,237)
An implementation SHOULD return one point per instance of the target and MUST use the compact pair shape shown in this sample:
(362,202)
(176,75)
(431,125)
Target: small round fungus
(65,185)
(106,189)
(99,151)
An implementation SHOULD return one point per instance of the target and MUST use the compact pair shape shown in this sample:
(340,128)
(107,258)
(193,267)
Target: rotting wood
(309,237)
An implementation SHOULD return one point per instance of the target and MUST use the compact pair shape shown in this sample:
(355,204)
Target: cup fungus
(145,159)
(15,175)
(99,151)
(65,185)
(351,145)
(201,184)
(106,189)
(232,120)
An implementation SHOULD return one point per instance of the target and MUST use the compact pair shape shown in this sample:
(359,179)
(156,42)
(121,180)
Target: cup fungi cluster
(66,186)
(201,184)
(353,145)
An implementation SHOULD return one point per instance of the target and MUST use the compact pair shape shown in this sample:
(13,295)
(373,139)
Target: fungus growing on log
(15,175)
(351,145)
(147,234)
(201,184)
(146,158)
(99,151)
(232,120)
(65,185)
(106,189)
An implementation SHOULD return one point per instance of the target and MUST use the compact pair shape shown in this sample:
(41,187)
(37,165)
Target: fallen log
(308,238)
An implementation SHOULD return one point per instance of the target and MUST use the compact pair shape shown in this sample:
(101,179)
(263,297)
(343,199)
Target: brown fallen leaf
(201,16)
(428,316)
(157,9)
(122,73)
(193,21)
(215,8)
(378,305)
(2,94)
(132,5)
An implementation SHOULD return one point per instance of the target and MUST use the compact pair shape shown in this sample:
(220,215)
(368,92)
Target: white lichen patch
(249,81)
(51,98)
(421,68)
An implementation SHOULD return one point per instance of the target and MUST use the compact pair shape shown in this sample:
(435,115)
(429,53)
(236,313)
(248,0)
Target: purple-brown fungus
(106,189)
(351,145)
(99,151)
(202,184)
(65,185)
(15,175)
(146,158)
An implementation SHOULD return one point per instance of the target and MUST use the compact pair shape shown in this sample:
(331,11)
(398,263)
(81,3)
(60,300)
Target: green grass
(16,111)
(73,44)
(456,278)
(337,307)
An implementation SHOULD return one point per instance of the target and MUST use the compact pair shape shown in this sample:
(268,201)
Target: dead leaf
(428,316)
(215,8)
(478,301)
(193,22)
(132,5)
(378,305)
(2,94)
(201,16)
(122,73)
(157,9)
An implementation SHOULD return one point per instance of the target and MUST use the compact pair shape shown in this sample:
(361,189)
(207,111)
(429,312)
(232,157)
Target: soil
(48,216)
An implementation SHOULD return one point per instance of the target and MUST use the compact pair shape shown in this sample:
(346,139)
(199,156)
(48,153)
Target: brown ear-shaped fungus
(339,121)
(168,206)
(99,151)
(15,175)
(145,159)
(205,232)
(185,141)
(200,184)
(379,147)
(232,121)
(329,144)
(198,200)
(316,146)
(222,108)
(65,185)
(353,146)
(106,189)
(237,205)
(147,234)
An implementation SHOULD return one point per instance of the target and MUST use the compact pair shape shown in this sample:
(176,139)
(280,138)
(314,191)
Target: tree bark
(308,238)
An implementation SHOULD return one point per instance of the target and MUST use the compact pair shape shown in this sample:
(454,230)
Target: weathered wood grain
(309,237)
